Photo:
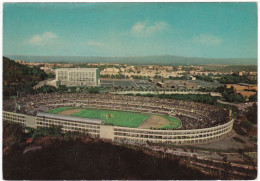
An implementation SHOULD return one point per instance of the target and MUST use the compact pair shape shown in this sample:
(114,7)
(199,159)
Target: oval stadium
(121,118)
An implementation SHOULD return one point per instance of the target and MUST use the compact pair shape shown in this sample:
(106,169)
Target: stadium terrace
(200,123)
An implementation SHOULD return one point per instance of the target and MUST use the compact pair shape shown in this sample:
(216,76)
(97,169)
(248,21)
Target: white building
(78,76)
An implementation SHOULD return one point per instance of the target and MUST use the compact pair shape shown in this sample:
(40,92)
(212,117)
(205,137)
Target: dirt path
(69,112)
(155,122)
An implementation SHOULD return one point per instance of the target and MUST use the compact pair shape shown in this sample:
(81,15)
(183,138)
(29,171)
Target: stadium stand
(195,117)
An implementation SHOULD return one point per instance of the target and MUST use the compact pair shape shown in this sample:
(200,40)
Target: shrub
(247,125)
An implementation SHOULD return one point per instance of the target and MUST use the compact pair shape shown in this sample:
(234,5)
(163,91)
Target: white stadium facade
(201,123)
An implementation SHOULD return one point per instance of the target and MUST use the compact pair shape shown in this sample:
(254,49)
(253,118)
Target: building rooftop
(244,84)
(69,118)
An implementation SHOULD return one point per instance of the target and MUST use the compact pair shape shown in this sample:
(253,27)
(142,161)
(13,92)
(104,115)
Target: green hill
(18,77)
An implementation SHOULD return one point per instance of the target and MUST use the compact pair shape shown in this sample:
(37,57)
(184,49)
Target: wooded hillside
(20,78)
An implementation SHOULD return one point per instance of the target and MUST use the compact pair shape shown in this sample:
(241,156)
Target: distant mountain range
(160,60)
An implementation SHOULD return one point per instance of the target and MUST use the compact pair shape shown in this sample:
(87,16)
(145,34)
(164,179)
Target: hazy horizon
(151,55)
(160,60)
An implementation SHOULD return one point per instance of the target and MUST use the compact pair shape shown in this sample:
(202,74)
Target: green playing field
(117,118)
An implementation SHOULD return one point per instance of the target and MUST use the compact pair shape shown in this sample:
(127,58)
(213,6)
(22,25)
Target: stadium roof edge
(69,118)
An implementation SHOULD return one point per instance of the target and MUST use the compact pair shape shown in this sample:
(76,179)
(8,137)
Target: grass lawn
(117,118)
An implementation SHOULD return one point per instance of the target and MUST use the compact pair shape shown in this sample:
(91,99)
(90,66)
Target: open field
(121,118)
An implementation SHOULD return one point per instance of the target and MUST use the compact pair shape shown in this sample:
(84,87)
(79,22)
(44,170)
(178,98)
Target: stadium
(129,119)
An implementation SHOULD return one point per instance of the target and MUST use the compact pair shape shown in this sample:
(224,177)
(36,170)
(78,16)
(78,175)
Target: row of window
(9,118)
(81,79)
(13,115)
(220,129)
(67,128)
(64,123)
(15,120)
(171,137)
(71,74)
(144,140)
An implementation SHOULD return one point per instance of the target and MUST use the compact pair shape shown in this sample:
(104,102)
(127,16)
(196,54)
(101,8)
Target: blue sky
(217,30)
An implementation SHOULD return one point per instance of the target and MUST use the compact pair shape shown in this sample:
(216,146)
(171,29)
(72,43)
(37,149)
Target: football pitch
(117,118)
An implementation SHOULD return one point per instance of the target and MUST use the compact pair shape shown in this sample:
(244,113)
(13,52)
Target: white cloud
(145,29)
(207,39)
(94,43)
(44,39)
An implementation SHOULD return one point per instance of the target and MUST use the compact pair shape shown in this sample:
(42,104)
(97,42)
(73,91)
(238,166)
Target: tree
(230,96)
(93,90)
(253,98)
(50,75)
(247,125)
(73,136)
(43,131)
(251,114)
(12,134)
(62,88)
(47,89)
(20,77)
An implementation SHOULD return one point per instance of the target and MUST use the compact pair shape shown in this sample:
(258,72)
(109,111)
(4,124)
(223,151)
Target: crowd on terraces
(192,115)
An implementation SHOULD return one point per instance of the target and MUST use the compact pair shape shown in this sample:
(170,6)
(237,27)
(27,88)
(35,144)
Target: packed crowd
(192,115)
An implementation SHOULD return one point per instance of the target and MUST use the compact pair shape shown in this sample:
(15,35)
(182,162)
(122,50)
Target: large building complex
(78,76)
(122,134)
(201,123)
(245,90)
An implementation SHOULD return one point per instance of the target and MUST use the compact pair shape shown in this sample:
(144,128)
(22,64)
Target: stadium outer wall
(127,135)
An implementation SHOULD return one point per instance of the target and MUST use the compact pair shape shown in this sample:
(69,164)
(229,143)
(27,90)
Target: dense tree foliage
(93,90)
(12,135)
(73,136)
(179,78)
(20,78)
(229,95)
(251,114)
(253,98)
(234,79)
(236,98)
(247,125)
(46,89)
(142,77)
(95,160)
(50,75)
(204,78)
(43,131)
